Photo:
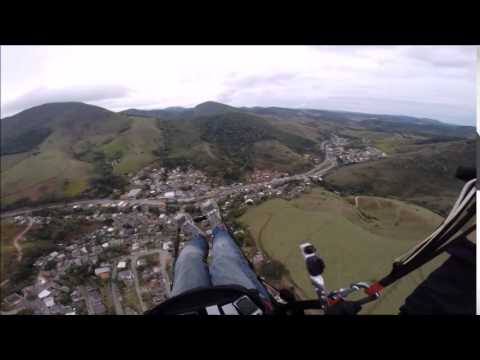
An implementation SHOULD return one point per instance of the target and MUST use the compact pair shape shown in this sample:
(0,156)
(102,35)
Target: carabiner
(341,294)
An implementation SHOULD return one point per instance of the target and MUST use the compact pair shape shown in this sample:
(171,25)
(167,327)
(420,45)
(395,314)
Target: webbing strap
(374,288)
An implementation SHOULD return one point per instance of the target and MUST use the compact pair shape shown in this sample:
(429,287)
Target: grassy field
(134,145)
(273,154)
(357,244)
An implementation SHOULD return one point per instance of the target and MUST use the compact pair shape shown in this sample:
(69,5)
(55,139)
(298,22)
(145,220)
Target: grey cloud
(38,96)
(256,80)
(235,85)
(444,112)
(456,57)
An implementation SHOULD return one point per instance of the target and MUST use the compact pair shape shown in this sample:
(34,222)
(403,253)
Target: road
(116,293)
(16,241)
(319,170)
(164,259)
(133,258)
(12,312)
(133,265)
(90,309)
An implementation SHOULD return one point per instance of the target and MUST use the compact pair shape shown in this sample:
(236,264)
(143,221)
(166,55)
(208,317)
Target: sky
(425,81)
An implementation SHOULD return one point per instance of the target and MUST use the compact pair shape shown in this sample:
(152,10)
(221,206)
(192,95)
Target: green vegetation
(39,241)
(104,180)
(24,142)
(8,254)
(355,247)
(273,270)
(57,160)
(77,275)
(422,174)
(75,187)
(225,144)
(112,252)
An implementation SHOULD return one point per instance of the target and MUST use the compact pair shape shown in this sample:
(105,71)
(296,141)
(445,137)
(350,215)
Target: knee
(190,252)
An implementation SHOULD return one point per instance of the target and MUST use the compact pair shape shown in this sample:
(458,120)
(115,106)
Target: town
(123,262)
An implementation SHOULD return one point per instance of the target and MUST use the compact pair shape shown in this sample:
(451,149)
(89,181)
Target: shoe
(186,224)
(212,211)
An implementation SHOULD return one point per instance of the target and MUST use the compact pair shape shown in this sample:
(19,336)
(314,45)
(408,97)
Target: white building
(43,294)
(49,302)
(169,194)
(134,193)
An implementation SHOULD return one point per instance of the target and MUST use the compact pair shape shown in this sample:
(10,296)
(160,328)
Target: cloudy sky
(436,81)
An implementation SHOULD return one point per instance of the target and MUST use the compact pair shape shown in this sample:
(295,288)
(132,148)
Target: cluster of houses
(152,281)
(43,297)
(357,155)
(131,225)
(153,183)
(339,148)
(259,176)
(122,230)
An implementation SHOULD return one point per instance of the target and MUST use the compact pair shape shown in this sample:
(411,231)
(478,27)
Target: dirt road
(356,202)
(16,241)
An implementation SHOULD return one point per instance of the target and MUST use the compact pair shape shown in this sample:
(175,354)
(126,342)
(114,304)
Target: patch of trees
(113,251)
(27,202)
(26,141)
(25,271)
(77,275)
(273,270)
(50,265)
(56,231)
(436,139)
(105,181)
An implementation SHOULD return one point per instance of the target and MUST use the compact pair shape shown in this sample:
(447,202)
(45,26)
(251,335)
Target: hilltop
(56,150)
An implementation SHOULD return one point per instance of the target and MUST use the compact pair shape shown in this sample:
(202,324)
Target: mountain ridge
(62,147)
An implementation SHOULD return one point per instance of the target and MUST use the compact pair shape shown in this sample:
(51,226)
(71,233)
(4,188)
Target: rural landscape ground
(363,188)
(358,238)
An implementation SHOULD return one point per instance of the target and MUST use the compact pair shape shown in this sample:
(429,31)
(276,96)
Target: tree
(50,265)
(273,270)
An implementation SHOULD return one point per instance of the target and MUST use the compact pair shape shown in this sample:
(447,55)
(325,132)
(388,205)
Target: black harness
(217,300)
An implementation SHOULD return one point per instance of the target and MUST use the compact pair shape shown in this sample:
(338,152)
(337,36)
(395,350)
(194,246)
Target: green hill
(229,144)
(422,174)
(356,243)
(58,162)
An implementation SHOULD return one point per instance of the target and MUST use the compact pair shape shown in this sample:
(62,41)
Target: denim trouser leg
(191,269)
(229,266)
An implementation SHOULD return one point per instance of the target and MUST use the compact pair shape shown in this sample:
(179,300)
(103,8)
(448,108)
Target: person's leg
(191,270)
(229,266)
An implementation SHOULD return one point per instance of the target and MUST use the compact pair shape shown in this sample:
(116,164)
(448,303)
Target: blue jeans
(229,266)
